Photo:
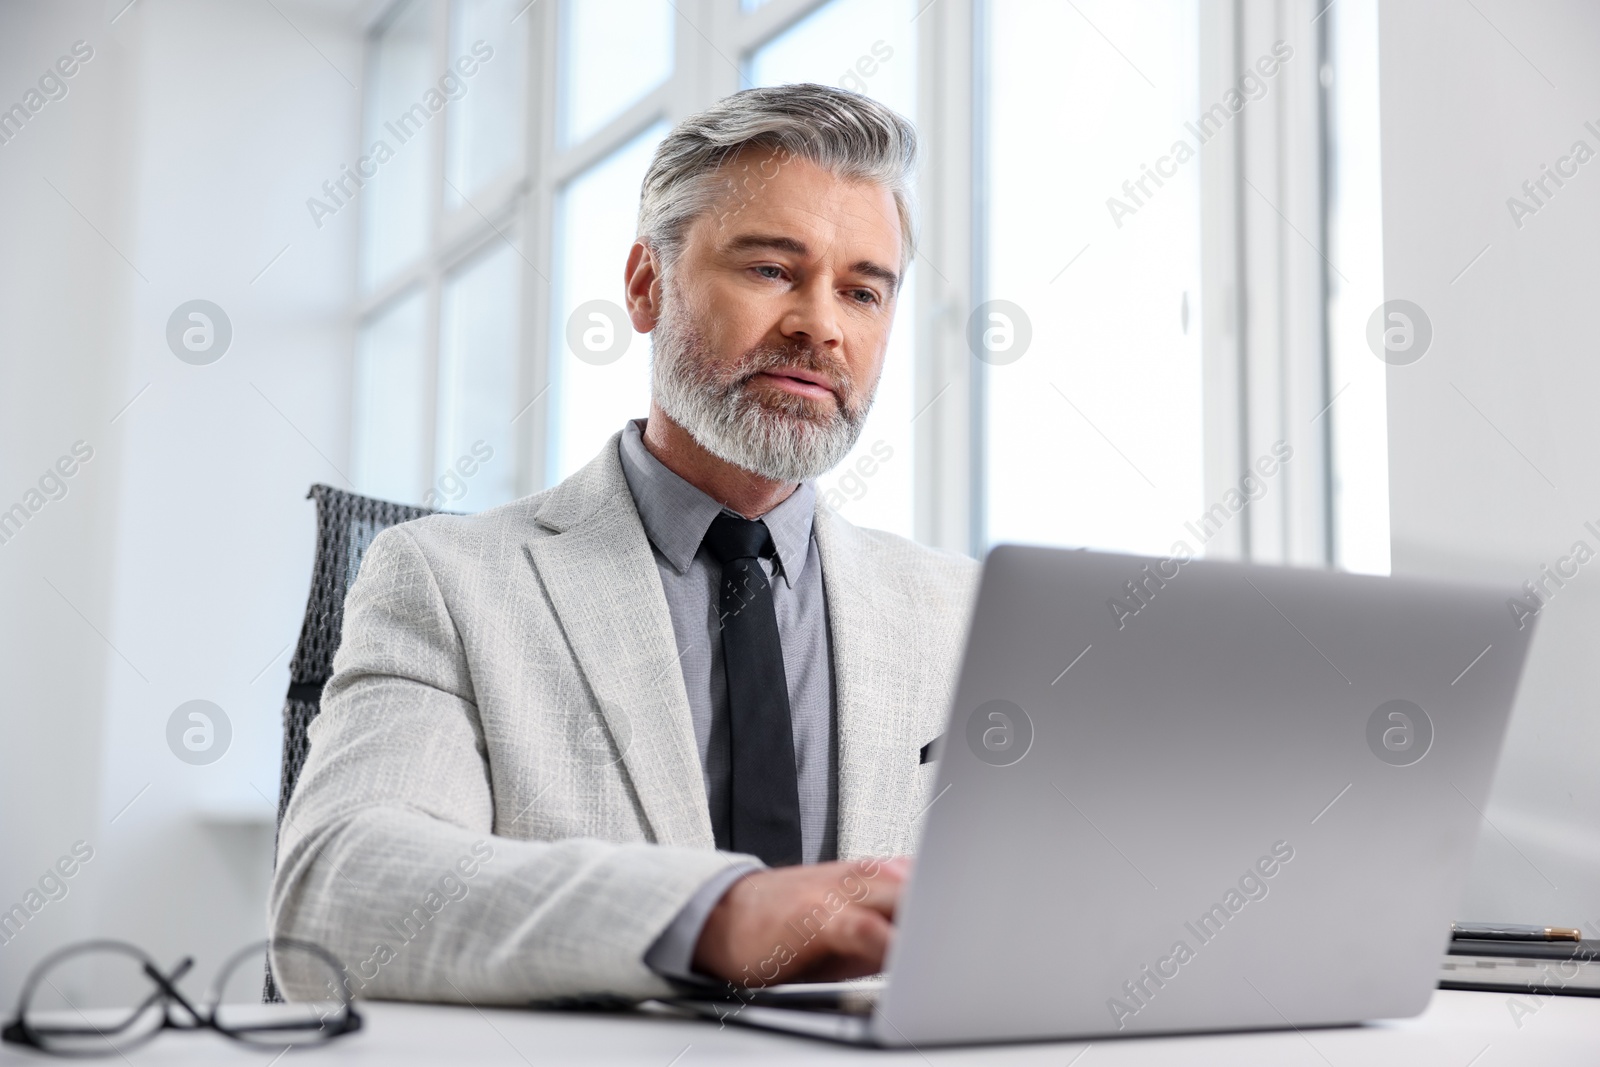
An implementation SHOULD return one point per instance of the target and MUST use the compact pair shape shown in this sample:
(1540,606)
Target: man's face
(775,318)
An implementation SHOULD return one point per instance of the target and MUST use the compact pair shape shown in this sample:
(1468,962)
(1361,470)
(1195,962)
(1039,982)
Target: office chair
(346,525)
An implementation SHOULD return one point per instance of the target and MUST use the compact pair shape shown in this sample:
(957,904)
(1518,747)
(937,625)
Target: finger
(875,884)
(854,945)
(899,866)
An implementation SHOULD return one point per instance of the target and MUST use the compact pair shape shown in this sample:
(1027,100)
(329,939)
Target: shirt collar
(676,515)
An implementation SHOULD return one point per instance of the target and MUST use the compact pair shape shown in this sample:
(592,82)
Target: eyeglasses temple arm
(167,987)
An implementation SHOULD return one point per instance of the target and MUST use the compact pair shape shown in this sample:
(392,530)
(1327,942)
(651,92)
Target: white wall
(1493,460)
(63,311)
(189,142)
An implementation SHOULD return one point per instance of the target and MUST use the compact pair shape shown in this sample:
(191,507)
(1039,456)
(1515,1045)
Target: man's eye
(777,272)
(864,296)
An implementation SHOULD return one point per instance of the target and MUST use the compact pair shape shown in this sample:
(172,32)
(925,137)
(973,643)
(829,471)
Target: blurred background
(253,245)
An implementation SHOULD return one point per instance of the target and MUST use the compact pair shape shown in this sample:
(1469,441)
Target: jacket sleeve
(387,856)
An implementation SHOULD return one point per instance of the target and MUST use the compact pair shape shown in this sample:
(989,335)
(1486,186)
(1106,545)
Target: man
(661,721)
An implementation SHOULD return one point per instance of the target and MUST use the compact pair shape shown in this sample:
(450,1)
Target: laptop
(1180,796)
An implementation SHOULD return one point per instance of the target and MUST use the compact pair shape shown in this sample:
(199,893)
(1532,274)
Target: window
(485,133)
(475,453)
(1358,414)
(1100,338)
(611,55)
(604,379)
(438,352)
(1093,406)
(391,390)
(395,229)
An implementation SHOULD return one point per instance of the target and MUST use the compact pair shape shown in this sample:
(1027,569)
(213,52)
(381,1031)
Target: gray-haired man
(677,701)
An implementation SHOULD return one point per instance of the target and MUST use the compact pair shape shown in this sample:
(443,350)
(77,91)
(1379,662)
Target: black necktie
(763,799)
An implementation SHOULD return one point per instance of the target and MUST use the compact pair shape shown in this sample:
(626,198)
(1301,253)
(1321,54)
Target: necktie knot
(730,537)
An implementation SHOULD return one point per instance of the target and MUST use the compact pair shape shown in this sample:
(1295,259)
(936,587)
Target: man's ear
(642,285)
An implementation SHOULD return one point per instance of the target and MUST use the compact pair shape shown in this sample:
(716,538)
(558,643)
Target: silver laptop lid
(1199,795)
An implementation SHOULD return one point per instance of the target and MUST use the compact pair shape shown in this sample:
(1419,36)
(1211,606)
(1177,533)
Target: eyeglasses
(102,998)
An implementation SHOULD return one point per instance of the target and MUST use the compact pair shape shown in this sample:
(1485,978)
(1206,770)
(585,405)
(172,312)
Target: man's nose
(814,316)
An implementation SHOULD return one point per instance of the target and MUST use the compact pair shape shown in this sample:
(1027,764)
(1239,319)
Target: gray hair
(850,135)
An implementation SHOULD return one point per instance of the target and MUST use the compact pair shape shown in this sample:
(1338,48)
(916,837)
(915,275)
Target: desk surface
(1458,1030)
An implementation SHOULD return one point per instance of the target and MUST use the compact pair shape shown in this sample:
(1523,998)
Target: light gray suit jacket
(503,798)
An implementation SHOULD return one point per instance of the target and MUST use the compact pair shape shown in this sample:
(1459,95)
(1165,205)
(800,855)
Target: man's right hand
(819,923)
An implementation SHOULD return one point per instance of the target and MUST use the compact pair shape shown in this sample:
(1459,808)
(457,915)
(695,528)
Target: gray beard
(783,438)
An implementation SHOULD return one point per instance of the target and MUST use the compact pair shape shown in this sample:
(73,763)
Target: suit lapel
(600,575)
(875,655)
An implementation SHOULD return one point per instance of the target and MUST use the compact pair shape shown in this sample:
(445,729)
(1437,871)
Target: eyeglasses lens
(311,1010)
(94,1002)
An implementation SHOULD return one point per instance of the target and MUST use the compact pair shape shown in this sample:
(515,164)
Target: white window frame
(1263,221)
(1265,211)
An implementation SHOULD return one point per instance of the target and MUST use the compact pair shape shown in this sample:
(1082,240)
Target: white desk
(1460,1029)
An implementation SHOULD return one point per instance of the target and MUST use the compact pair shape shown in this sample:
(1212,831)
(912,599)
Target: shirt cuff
(672,954)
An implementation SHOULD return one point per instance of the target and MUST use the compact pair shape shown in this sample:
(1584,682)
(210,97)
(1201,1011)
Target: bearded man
(662,722)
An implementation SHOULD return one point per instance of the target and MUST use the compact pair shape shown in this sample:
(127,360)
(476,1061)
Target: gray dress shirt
(676,516)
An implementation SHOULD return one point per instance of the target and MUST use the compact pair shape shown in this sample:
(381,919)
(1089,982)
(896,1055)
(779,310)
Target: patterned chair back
(346,525)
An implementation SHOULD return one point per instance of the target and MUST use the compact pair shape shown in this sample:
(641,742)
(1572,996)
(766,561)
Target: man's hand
(820,923)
